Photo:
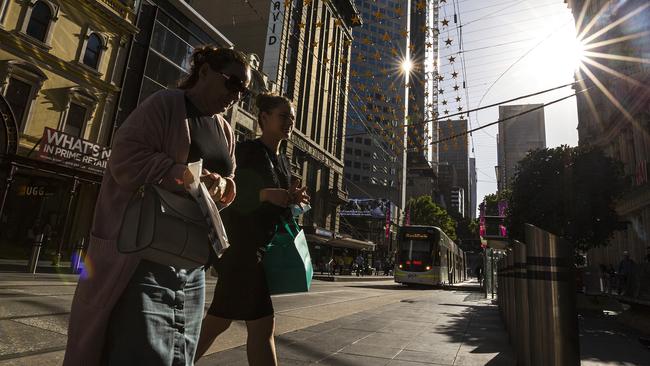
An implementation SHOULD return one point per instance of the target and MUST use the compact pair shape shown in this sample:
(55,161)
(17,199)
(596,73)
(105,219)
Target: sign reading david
(72,151)
(273,38)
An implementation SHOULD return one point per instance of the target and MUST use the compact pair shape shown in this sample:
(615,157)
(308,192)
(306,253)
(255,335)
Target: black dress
(241,292)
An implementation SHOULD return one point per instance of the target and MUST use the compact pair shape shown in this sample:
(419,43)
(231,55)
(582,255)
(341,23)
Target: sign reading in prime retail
(72,151)
(273,38)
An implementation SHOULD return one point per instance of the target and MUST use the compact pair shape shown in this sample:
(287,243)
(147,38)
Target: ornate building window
(20,83)
(81,104)
(39,18)
(92,50)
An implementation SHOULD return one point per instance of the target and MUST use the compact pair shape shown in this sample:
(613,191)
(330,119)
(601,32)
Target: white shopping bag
(210,210)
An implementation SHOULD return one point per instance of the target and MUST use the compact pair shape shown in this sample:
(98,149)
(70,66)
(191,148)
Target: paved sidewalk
(434,327)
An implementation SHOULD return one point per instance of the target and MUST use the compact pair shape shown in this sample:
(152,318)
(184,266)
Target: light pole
(407,65)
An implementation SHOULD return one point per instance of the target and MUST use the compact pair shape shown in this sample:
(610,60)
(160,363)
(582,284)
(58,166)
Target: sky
(511,48)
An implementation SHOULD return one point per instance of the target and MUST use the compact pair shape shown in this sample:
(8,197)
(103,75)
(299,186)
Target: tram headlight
(428,268)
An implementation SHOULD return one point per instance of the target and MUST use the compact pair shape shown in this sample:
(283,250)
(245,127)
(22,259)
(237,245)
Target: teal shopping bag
(287,262)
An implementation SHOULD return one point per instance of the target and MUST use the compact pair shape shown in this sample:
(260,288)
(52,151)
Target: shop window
(39,18)
(93,49)
(75,120)
(18,95)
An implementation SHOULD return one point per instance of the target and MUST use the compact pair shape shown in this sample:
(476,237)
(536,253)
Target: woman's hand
(299,195)
(230,192)
(277,196)
(215,184)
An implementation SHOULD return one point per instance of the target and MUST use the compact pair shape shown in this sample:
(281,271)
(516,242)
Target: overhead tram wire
(518,60)
(513,116)
(484,107)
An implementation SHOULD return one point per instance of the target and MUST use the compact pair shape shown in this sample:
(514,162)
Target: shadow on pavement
(603,339)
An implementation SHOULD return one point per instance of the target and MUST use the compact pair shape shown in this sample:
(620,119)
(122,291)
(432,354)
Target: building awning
(352,244)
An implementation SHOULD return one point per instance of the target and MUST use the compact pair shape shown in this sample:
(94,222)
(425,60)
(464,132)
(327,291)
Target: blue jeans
(157,320)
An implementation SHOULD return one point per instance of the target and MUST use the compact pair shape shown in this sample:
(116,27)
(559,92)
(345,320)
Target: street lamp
(407,66)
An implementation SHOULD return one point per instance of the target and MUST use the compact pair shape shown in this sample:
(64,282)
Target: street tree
(568,191)
(423,211)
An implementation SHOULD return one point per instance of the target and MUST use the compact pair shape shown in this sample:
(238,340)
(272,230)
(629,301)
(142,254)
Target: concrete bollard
(36,252)
(522,331)
(553,318)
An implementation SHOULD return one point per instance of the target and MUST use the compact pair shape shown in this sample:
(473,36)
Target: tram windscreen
(416,250)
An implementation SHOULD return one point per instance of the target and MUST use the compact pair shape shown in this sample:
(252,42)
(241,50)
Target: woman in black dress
(263,181)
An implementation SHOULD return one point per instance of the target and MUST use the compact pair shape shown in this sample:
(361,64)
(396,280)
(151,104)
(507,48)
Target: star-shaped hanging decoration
(441,91)
(368,74)
(444,102)
(446,112)
(307,2)
(287,3)
(332,44)
(314,44)
(424,28)
(354,73)
(454,74)
(378,15)
(399,11)
(441,78)
(338,22)
(344,60)
(377,56)
(366,41)
(412,47)
(319,24)
(458,99)
(386,37)
(460,108)
(393,51)
(356,20)
(445,22)
(452,59)
(404,33)
(456,87)
(301,25)
(448,42)
(428,44)
(421,5)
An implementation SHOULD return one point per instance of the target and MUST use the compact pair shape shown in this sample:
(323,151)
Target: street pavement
(337,323)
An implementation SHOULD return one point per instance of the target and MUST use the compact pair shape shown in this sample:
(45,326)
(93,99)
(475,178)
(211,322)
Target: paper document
(199,191)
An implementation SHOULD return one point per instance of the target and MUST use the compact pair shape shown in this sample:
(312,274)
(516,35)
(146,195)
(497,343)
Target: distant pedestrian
(625,274)
(479,274)
(360,265)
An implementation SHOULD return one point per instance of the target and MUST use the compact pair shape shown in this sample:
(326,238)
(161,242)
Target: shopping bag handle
(287,226)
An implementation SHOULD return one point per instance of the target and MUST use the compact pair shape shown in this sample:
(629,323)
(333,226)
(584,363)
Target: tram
(426,255)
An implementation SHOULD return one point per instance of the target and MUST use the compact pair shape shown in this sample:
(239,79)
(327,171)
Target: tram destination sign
(71,151)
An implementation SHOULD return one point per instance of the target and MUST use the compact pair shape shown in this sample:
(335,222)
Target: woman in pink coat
(131,312)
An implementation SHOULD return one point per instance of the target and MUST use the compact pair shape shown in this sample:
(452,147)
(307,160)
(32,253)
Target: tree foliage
(423,211)
(568,191)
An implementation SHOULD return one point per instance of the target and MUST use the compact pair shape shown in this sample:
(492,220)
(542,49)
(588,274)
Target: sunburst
(602,51)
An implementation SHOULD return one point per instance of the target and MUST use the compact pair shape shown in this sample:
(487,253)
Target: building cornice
(634,200)
(68,69)
(299,140)
(114,13)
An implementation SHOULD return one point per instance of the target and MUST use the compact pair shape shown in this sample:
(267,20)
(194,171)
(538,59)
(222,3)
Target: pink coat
(151,146)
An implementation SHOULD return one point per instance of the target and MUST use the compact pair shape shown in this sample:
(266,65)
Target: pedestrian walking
(263,199)
(128,311)
(625,274)
(360,265)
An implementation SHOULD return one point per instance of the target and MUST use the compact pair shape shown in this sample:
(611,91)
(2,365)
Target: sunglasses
(235,85)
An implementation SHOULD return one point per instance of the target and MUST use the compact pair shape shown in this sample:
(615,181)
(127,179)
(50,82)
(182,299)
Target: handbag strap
(291,227)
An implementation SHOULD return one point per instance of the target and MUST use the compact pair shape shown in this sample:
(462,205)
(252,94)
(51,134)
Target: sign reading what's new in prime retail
(72,151)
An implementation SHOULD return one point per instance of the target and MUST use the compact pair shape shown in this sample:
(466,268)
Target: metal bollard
(36,252)
(553,318)
(522,341)
(75,263)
